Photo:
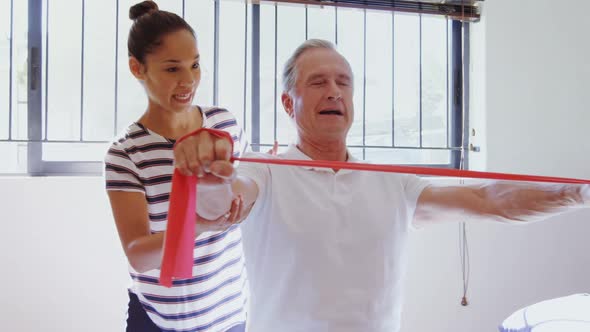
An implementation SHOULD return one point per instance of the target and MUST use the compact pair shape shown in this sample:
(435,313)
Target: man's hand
(206,156)
(274,150)
(585,194)
(236,214)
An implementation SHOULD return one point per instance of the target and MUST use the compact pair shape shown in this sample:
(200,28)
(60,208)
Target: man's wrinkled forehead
(316,62)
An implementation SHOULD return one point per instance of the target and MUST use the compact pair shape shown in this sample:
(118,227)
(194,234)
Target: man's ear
(287,104)
(136,68)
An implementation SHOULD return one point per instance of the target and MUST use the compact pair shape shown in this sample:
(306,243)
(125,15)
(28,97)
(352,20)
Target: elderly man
(326,248)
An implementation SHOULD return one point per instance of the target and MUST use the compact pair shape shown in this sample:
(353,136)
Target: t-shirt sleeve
(241,144)
(260,174)
(413,186)
(120,172)
(223,119)
(240,140)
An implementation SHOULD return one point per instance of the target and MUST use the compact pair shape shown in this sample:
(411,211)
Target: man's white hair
(290,72)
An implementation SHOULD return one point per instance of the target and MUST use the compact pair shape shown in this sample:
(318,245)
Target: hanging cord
(465,266)
(463,243)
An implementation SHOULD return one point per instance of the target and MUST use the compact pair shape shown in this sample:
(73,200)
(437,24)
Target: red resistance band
(177,261)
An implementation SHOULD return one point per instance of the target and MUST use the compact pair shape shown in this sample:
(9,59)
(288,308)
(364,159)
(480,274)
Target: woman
(164,57)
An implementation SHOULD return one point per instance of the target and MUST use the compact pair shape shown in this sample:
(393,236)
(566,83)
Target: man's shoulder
(258,155)
(255,162)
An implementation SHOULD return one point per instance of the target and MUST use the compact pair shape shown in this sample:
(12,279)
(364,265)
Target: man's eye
(171,70)
(196,65)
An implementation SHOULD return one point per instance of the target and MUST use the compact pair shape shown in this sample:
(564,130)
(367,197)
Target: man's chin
(333,134)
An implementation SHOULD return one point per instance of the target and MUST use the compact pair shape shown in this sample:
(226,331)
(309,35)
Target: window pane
(350,44)
(379,78)
(247,122)
(200,15)
(406,71)
(232,50)
(99,70)
(321,23)
(13,93)
(291,33)
(131,98)
(174,6)
(357,153)
(14,157)
(5,68)
(434,81)
(13,86)
(63,70)
(267,73)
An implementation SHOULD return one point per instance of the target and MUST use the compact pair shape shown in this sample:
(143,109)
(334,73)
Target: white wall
(63,269)
(529,106)
(62,266)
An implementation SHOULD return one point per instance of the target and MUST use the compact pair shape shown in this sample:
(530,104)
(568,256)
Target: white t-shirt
(326,251)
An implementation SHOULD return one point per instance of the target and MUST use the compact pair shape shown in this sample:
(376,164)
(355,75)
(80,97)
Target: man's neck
(334,150)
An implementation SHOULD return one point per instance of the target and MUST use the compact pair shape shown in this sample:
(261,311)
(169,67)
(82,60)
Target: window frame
(458,82)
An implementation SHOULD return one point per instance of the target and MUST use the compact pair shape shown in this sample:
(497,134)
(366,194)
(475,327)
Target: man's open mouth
(331,112)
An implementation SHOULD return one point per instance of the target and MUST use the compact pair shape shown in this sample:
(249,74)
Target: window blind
(462,10)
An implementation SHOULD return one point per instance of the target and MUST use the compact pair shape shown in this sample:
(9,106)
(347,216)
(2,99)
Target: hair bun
(142,8)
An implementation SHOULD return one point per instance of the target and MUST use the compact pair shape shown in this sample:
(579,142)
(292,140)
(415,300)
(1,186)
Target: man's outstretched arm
(497,201)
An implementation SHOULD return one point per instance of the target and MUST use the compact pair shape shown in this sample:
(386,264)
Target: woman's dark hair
(149,26)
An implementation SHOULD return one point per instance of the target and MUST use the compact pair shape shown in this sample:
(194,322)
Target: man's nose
(334,92)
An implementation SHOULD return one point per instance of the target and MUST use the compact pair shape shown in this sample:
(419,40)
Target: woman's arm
(144,249)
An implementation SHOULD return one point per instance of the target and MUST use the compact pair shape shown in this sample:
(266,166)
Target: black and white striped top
(215,298)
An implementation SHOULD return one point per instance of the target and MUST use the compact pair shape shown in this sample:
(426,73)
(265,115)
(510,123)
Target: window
(13,86)
(59,112)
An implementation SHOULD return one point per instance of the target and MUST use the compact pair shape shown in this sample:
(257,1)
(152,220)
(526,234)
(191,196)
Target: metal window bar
(456,91)
(116,115)
(364,82)
(393,85)
(47,3)
(306,24)
(275,71)
(447,87)
(336,26)
(34,89)
(420,77)
(464,125)
(244,122)
(255,130)
(216,9)
(82,72)
(10,69)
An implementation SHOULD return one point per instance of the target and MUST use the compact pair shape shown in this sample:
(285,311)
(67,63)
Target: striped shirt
(215,298)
